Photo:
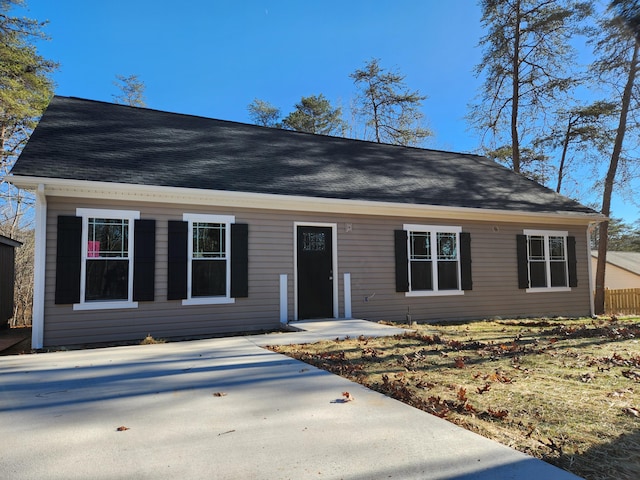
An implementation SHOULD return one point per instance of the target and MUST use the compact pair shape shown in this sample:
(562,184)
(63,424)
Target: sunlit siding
(365,250)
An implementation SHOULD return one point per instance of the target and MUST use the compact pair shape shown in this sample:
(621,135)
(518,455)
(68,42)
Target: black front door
(315,273)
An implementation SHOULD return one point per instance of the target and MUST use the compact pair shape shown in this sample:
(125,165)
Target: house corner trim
(37,321)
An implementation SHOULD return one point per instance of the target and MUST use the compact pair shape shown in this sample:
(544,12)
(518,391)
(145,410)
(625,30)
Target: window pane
(420,245)
(208,240)
(107,280)
(447,246)
(558,274)
(537,274)
(313,242)
(447,275)
(536,248)
(556,248)
(107,238)
(208,278)
(421,277)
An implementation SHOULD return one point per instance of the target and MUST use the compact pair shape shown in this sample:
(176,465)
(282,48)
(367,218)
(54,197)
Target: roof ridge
(253,125)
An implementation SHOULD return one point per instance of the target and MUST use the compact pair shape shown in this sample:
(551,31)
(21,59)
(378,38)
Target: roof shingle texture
(95,141)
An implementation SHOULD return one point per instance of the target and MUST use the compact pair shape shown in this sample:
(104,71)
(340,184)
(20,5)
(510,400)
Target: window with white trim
(106,272)
(208,262)
(547,258)
(434,259)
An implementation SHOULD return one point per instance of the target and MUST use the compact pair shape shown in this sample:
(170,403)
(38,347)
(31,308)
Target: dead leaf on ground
(587,377)
(484,389)
(500,414)
(122,428)
(347,397)
(620,393)
(632,374)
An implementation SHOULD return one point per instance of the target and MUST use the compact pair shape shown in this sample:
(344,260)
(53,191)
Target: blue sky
(213,57)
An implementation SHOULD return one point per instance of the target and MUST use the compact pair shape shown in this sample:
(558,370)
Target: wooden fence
(624,301)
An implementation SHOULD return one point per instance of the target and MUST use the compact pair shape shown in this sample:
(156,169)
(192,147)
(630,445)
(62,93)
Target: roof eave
(178,195)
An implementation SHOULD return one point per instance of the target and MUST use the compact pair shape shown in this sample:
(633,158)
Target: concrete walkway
(226,409)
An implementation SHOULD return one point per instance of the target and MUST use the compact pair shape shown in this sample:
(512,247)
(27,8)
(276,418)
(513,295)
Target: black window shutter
(523,261)
(573,261)
(177,267)
(68,260)
(239,260)
(465,261)
(144,260)
(402,261)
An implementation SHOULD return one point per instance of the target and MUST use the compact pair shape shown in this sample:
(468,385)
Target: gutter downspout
(37,321)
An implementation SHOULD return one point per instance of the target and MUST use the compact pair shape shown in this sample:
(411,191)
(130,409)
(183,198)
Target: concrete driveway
(226,409)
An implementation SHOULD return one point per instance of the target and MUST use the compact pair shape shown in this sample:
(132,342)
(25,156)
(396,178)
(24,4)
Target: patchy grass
(565,391)
(149,340)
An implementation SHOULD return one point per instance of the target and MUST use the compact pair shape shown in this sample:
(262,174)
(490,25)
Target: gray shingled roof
(88,140)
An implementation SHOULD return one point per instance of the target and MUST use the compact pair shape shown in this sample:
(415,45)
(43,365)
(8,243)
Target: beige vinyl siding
(494,267)
(365,250)
(616,277)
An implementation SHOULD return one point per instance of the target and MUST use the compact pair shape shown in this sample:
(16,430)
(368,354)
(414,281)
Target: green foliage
(131,91)
(25,83)
(622,236)
(264,114)
(629,12)
(387,106)
(315,114)
(25,90)
(534,161)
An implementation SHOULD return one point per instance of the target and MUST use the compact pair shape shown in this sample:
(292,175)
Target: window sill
(208,301)
(104,305)
(548,289)
(431,293)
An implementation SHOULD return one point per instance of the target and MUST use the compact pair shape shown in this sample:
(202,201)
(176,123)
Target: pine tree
(315,114)
(526,64)
(617,64)
(386,105)
(25,90)
(264,114)
(131,91)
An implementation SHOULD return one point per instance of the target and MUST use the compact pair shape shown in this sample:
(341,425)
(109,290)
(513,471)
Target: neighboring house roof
(9,241)
(629,261)
(94,141)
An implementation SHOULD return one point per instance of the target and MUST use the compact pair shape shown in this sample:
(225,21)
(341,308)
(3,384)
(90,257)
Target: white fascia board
(191,196)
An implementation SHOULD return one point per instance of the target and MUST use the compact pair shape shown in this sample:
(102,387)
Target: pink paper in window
(93,249)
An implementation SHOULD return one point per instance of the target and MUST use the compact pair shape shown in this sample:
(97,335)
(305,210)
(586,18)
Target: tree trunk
(603,237)
(565,147)
(515,93)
